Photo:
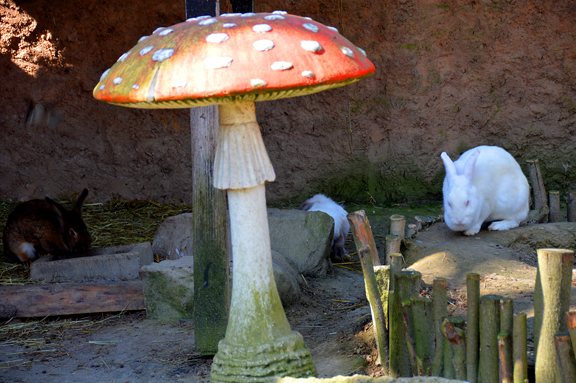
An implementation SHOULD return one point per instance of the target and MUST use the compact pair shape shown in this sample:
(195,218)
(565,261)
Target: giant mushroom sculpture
(235,60)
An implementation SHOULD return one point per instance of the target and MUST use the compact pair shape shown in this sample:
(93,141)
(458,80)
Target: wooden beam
(75,298)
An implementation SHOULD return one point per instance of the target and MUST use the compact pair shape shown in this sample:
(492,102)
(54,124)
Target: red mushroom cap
(232,58)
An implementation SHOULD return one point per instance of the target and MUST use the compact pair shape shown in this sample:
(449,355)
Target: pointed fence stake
(551,303)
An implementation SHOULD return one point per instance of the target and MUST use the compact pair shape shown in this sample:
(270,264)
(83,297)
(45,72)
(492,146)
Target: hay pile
(118,222)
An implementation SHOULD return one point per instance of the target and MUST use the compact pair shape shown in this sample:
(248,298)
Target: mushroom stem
(258,336)
(256,313)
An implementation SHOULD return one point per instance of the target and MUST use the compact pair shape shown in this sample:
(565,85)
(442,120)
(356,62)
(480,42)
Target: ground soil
(449,75)
(332,315)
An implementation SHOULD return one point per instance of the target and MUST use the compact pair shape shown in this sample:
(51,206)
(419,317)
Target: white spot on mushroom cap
(230,14)
(229,25)
(348,52)
(142,38)
(310,27)
(280,13)
(101,87)
(282,65)
(217,62)
(311,46)
(261,28)
(207,22)
(263,45)
(158,29)
(197,18)
(166,32)
(123,57)
(308,18)
(146,50)
(333,29)
(308,73)
(248,14)
(274,17)
(179,83)
(104,74)
(258,83)
(216,38)
(117,81)
(362,51)
(162,54)
(135,86)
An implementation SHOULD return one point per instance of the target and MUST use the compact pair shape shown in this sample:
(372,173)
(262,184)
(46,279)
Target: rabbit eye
(467,202)
(72,233)
(450,204)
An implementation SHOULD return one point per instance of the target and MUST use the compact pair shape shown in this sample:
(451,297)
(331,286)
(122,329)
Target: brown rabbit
(43,226)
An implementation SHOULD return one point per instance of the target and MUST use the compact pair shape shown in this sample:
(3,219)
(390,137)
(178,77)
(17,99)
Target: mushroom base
(285,356)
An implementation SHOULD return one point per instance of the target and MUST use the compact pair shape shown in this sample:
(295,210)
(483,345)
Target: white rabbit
(485,184)
(341,225)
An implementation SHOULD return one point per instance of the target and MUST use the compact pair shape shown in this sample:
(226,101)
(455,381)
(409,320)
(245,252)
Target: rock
(300,243)
(169,289)
(287,279)
(112,263)
(304,237)
(174,238)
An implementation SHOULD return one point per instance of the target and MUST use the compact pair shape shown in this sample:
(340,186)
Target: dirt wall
(449,75)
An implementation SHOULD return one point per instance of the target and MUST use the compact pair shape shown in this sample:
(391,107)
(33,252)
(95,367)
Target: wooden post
(505,357)
(380,332)
(507,315)
(440,300)
(393,243)
(571,206)
(407,285)
(210,231)
(210,220)
(520,349)
(398,225)
(408,331)
(383,281)
(452,339)
(554,203)
(473,330)
(571,320)
(551,303)
(565,355)
(423,319)
(488,369)
(363,234)
(411,231)
(538,188)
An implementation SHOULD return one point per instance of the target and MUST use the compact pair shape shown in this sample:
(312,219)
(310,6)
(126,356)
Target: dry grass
(115,223)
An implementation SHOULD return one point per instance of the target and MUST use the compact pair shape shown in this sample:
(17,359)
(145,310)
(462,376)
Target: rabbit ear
(470,164)
(448,164)
(58,209)
(80,201)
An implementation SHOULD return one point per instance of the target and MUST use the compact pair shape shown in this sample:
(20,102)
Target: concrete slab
(169,289)
(113,263)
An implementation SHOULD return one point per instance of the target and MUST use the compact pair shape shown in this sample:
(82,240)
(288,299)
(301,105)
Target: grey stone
(304,237)
(113,263)
(287,279)
(169,289)
(174,237)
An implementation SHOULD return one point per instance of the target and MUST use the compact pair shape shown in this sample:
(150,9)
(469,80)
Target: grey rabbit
(43,226)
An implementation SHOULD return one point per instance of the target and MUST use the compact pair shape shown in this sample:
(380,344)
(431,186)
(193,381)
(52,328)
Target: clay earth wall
(450,75)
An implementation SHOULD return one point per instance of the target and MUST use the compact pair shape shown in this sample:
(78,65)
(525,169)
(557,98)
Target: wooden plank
(74,298)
